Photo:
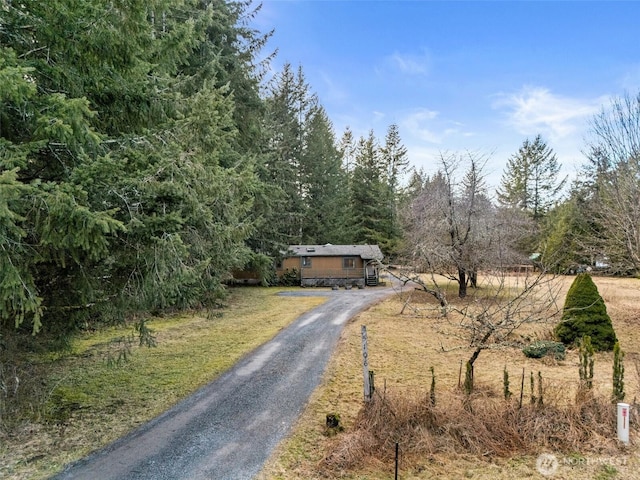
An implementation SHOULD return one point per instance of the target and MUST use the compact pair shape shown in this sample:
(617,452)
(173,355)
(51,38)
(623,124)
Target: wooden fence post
(365,365)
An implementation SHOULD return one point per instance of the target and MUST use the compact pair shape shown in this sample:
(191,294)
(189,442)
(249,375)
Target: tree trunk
(474,357)
(473,278)
(462,282)
(468,377)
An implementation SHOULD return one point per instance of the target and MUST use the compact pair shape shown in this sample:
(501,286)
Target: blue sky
(461,76)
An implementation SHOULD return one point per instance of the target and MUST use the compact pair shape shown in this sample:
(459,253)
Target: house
(330,265)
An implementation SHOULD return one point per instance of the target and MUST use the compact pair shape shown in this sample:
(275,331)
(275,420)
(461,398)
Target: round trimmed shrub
(542,348)
(585,313)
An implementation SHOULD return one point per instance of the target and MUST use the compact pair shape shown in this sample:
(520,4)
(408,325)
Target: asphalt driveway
(228,429)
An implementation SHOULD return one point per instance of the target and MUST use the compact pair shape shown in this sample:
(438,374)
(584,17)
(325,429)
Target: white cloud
(407,63)
(378,116)
(535,110)
(411,64)
(417,124)
(424,125)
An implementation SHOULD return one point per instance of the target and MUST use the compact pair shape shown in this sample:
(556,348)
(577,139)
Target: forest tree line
(144,156)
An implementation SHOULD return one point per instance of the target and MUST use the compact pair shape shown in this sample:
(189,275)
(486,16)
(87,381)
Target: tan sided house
(330,265)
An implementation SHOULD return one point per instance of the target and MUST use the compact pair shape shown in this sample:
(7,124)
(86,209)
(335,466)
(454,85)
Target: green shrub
(586,362)
(542,348)
(618,373)
(290,278)
(585,314)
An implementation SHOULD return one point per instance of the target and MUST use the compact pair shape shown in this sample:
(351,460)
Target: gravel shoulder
(228,429)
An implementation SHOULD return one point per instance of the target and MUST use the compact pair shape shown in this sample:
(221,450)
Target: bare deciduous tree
(490,317)
(455,232)
(506,305)
(452,227)
(614,153)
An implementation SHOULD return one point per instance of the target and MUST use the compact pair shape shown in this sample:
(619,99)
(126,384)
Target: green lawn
(92,394)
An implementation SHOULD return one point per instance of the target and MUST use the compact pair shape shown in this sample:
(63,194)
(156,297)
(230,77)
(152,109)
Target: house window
(306,262)
(348,263)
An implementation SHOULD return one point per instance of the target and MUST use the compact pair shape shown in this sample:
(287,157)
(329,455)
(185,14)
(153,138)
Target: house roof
(366,252)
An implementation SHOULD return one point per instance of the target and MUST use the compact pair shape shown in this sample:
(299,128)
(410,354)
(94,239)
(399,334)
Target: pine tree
(530,181)
(348,150)
(187,190)
(395,162)
(289,106)
(52,235)
(18,295)
(369,199)
(232,56)
(326,201)
(124,144)
(561,236)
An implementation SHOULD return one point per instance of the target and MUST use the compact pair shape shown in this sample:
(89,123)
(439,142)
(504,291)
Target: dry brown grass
(483,425)
(402,348)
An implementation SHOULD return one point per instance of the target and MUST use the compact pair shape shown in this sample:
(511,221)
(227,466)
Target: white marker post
(623,422)
(365,365)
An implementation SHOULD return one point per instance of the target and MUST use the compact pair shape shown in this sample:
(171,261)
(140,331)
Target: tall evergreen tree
(326,196)
(559,237)
(289,104)
(52,235)
(134,191)
(530,181)
(415,184)
(348,150)
(186,193)
(395,161)
(395,158)
(230,56)
(369,196)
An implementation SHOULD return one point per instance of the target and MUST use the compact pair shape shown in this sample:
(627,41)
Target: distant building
(329,265)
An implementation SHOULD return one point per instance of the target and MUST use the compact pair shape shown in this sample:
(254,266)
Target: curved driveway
(228,429)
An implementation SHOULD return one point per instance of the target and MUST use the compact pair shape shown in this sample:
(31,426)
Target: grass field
(84,398)
(403,348)
(103,398)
